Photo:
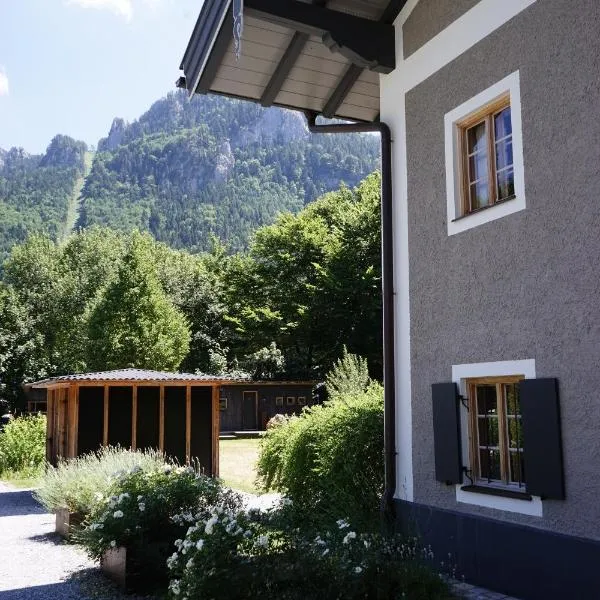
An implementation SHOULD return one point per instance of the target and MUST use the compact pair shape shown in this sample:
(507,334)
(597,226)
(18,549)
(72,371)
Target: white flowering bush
(151,508)
(77,483)
(233,555)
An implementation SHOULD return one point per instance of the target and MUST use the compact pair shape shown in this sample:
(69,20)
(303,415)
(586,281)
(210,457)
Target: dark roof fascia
(366,42)
(209,23)
(269,383)
(392,11)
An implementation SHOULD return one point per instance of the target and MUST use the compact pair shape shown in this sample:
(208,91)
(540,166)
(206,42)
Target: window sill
(483,208)
(496,491)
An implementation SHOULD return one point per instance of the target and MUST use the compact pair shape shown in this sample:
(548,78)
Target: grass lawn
(19,481)
(237,463)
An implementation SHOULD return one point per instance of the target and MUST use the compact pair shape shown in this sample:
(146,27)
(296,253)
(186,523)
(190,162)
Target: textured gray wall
(430,17)
(526,285)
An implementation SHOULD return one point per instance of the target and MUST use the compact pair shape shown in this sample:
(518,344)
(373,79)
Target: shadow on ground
(19,503)
(48,538)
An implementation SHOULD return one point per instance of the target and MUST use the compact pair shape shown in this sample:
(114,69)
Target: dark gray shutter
(542,447)
(446,433)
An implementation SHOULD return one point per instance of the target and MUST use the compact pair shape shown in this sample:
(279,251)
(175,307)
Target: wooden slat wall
(188,422)
(72,420)
(106,410)
(50,426)
(134,418)
(161,420)
(215,431)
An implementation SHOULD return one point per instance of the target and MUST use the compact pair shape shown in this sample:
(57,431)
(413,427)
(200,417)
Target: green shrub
(349,376)
(151,507)
(230,556)
(329,460)
(23,446)
(77,483)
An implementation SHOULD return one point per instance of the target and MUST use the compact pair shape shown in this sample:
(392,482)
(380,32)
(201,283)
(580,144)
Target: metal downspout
(387,271)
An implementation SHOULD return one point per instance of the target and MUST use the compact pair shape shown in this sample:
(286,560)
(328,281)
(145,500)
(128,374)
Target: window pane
(504,154)
(488,431)
(503,123)
(511,391)
(479,194)
(476,138)
(487,402)
(489,461)
(478,166)
(515,432)
(517,467)
(506,184)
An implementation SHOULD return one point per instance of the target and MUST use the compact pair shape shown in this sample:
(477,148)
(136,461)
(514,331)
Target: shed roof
(142,375)
(318,56)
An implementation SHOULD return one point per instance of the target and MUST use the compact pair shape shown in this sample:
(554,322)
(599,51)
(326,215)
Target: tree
(21,358)
(266,363)
(135,324)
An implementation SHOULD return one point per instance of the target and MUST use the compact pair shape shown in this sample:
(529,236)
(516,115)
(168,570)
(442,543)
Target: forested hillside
(185,171)
(36,190)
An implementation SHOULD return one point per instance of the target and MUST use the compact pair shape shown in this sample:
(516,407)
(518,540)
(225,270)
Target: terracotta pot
(66,521)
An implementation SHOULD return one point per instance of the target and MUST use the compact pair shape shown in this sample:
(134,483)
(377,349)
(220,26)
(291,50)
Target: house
(177,413)
(248,405)
(491,253)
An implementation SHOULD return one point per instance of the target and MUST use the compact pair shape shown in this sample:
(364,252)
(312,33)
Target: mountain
(184,171)
(36,191)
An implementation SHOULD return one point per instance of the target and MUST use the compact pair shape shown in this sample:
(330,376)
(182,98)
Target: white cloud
(122,8)
(3,83)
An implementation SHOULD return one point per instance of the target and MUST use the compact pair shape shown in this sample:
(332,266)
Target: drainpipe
(387,261)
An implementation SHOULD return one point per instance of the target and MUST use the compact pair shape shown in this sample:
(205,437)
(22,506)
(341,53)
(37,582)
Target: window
(279,401)
(496,434)
(301,400)
(484,157)
(487,157)
(291,400)
(223,403)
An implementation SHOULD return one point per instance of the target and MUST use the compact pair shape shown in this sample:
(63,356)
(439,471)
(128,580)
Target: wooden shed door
(249,408)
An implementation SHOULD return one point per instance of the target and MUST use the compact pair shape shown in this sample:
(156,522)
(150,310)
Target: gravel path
(35,564)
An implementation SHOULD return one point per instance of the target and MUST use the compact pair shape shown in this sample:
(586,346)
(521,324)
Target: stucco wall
(429,18)
(527,285)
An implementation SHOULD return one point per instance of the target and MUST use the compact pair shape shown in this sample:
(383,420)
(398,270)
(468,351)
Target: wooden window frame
(485,114)
(279,401)
(223,403)
(499,382)
(301,400)
(293,400)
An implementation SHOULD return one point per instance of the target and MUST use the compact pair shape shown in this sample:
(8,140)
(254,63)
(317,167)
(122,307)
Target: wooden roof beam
(286,64)
(341,91)
(353,72)
(369,44)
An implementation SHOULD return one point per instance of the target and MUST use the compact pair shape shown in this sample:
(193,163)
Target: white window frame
(457,222)
(460,375)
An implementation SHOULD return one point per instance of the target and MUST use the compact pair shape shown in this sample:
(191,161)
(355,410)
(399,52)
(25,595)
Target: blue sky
(71,66)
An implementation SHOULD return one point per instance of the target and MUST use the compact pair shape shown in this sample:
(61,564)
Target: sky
(72,66)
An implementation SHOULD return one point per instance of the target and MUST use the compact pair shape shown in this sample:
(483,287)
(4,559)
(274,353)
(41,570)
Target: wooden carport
(176,413)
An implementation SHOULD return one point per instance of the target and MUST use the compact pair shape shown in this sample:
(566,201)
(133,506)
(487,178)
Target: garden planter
(66,521)
(137,569)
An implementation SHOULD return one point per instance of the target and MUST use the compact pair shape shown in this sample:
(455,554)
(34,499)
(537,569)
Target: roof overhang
(317,56)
